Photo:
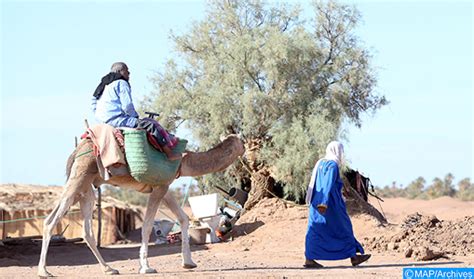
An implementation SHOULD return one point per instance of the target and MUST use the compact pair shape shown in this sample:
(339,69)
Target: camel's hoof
(148,270)
(189,266)
(45,274)
(111,271)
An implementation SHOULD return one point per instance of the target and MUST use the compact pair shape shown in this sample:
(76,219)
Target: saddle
(135,155)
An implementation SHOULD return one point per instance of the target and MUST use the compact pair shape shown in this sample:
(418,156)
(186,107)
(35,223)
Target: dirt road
(268,243)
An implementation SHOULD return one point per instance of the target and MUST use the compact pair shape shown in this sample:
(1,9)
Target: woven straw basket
(146,164)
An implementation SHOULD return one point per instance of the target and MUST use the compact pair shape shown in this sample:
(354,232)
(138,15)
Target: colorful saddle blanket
(146,164)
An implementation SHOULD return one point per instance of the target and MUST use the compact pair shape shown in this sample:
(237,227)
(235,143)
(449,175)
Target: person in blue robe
(329,235)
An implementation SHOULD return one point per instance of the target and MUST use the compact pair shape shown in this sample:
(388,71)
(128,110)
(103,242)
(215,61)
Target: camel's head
(234,141)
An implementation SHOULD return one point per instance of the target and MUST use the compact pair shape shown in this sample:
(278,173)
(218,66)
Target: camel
(83,174)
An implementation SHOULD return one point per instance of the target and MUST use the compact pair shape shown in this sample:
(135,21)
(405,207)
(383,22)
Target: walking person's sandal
(312,264)
(358,259)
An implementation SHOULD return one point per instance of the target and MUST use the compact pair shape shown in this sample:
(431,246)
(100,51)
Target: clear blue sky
(54,53)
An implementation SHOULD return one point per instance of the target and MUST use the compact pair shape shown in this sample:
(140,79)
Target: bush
(438,188)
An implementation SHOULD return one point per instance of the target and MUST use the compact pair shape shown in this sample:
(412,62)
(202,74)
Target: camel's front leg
(152,206)
(183,219)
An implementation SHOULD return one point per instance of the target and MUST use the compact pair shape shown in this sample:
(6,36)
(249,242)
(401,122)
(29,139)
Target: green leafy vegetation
(418,189)
(287,85)
(136,198)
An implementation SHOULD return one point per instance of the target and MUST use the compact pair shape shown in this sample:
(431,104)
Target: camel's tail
(70,162)
(80,150)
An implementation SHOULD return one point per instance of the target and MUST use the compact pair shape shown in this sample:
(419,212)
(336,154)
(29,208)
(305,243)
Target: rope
(383,213)
(32,218)
(378,199)
(182,205)
(245,165)
(285,201)
(83,153)
(186,193)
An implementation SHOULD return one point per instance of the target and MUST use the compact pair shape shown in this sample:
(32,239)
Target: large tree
(466,190)
(415,188)
(285,84)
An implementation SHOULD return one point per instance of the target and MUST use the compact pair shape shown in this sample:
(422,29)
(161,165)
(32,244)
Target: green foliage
(136,198)
(184,192)
(392,191)
(127,195)
(285,84)
(466,190)
(415,188)
(438,188)
(289,150)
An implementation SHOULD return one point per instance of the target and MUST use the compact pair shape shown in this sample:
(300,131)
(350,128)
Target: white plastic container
(206,210)
(204,206)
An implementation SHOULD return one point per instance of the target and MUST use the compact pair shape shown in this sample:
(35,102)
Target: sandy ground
(268,242)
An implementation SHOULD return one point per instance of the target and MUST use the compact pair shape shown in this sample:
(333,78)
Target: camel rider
(112,104)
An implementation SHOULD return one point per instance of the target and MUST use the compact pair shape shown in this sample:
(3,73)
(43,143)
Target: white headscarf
(334,152)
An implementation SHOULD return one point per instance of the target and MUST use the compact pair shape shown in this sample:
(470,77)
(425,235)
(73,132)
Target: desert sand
(268,242)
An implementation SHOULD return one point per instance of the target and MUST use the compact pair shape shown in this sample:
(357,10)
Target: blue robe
(329,236)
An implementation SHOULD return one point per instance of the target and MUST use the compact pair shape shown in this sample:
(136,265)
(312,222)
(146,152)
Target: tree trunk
(261,184)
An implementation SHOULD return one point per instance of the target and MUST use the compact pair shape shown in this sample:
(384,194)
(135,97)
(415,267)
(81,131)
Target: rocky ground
(268,242)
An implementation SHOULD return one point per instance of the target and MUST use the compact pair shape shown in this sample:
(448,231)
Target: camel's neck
(214,160)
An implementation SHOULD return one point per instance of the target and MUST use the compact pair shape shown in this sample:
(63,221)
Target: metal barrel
(238,195)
